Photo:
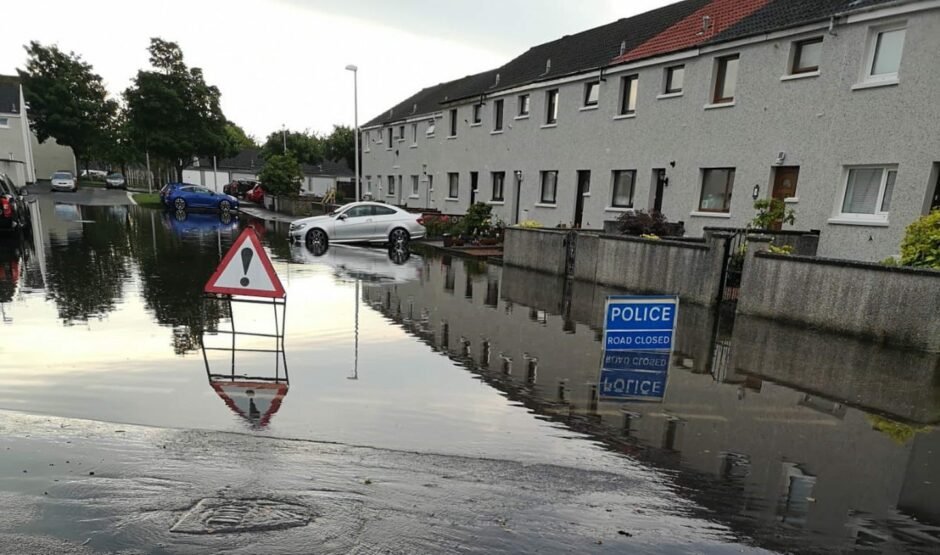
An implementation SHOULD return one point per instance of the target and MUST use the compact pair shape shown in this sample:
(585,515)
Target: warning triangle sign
(246,270)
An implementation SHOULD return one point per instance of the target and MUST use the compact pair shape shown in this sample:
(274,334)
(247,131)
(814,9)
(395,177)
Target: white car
(64,181)
(359,222)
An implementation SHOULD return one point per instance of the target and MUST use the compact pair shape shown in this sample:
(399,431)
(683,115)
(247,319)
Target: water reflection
(797,438)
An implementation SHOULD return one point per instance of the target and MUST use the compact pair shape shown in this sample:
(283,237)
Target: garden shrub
(921,244)
(529,224)
(770,211)
(640,222)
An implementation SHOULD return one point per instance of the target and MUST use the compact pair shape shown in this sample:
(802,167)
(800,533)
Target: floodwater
(766,436)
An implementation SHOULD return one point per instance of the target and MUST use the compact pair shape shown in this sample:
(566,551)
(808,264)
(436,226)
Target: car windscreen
(61,175)
(115,176)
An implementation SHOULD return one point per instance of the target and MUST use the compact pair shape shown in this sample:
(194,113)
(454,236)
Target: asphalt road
(85,195)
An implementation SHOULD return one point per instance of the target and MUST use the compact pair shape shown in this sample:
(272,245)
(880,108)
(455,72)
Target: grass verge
(150,200)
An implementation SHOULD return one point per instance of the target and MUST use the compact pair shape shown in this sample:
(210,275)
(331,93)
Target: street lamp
(355,71)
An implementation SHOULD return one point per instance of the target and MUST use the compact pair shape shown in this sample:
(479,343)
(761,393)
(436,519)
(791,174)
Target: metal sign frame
(280,322)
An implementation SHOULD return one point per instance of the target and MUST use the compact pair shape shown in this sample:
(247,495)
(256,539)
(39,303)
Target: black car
(239,187)
(14,213)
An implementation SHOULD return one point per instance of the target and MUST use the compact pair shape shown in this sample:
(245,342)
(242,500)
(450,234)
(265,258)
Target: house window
(591,92)
(453,185)
(477,113)
(806,55)
(414,133)
(498,115)
(365,138)
(430,131)
(551,107)
(499,178)
(726,77)
(414,185)
(523,105)
(430,182)
(868,192)
(390,133)
(622,189)
(369,184)
(453,122)
(391,185)
(628,95)
(401,132)
(716,190)
(4,122)
(399,184)
(884,53)
(675,76)
(549,187)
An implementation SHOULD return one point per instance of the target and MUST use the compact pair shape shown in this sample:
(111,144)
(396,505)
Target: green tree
(118,148)
(281,174)
(66,100)
(341,145)
(306,147)
(238,139)
(921,244)
(172,113)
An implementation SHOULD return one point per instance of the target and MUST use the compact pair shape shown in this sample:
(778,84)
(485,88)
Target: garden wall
(886,303)
(542,250)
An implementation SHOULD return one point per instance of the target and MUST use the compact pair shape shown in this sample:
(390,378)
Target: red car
(256,194)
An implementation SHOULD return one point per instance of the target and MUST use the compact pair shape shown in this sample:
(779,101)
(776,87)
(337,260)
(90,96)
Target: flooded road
(413,368)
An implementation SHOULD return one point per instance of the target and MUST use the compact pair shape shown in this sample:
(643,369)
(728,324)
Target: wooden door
(785,179)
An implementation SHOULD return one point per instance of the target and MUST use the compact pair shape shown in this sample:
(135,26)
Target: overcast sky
(282,61)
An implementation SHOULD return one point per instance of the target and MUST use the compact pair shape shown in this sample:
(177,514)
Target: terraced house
(696,110)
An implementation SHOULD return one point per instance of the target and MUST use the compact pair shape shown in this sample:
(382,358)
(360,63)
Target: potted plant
(448,240)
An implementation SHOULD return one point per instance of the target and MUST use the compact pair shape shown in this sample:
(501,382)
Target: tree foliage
(281,175)
(172,112)
(304,146)
(67,100)
(340,145)
(237,138)
(640,222)
(921,244)
(771,211)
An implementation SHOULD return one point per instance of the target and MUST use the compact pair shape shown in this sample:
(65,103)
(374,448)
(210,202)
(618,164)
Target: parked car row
(14,213)
(239,187)
(186,196)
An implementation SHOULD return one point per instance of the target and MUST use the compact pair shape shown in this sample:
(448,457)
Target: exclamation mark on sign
(247,255)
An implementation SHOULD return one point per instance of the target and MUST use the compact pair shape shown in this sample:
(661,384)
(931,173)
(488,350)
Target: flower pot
(448,240)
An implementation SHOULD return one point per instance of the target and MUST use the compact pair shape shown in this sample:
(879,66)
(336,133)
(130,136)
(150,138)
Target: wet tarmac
(423,403)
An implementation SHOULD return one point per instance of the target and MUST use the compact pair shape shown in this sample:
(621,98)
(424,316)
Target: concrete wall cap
(925,272)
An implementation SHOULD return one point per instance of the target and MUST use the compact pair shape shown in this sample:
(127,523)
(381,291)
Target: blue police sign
(627,385)
(633,323)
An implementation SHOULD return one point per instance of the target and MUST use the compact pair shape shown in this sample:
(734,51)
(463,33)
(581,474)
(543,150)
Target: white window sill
(875,83)
(546,205)
(625,116)
(586,194)
(698,214)
(548,126)
(413,145)
(618,209)
(388,148)
(401,140)
(664,96)
(390,194)
(396,167)
(449,199)
(587,108)
(796,76)
(496,202)
(450,137)
(414,196)
(719,105)
(791,200)
(526,116)
(477,124)
(872,222)
(430,135)
(496,132)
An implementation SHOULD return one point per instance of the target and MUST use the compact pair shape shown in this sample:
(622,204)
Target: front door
(659,185)
(584,187)
(785,178)
(517,179)
(474,181)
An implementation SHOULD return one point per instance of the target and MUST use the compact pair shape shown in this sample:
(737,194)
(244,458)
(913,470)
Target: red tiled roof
(692,30)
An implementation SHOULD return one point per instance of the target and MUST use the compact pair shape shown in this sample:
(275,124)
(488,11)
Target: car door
(385,219)
(356,226)
(205,197)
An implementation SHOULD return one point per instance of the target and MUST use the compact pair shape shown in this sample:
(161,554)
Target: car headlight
(297,226)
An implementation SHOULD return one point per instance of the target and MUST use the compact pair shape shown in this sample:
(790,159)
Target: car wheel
(180,204)
(225,206)
(398,236)
(317,239)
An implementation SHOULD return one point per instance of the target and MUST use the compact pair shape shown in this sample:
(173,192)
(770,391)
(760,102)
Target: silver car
(64,181)
(115,180)
(359,222)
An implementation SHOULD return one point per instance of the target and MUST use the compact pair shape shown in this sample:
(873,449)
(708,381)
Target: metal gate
(571,248)
(735,250)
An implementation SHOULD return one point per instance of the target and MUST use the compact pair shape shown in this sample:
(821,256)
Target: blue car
(184,196)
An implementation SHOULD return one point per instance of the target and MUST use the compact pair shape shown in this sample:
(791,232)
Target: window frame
(542,175)
(453,122)
(401,133)
(871,48)
(879,216)
(414,134)
(502,186)
(551,107)
(628,83)
(668,79)
(415,185)
(390,191)
(721,76)
(391,133)
(476,117)
(613,188)
(591,87)
(4,122)
(797,52)
(453,181)
(498,115)
(523,105)
(729,190)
